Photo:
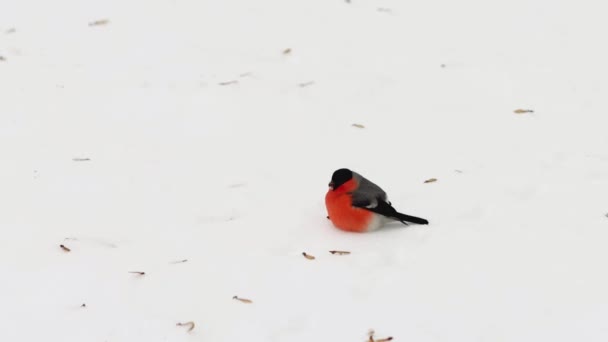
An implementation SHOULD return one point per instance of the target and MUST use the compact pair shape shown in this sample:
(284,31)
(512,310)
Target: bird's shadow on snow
(398,225)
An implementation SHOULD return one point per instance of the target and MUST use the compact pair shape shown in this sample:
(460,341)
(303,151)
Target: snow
(233,177)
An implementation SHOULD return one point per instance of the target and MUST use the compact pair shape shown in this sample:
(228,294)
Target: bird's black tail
(412,219)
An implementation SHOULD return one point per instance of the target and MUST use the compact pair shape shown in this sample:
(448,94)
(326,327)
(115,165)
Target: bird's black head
(340,177)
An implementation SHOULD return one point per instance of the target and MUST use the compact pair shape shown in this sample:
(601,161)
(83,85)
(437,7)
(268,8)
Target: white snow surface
(233,177)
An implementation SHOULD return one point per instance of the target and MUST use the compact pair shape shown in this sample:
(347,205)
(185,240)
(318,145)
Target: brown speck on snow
(340,252)
(371,337)
(243,300)
(99,22)
(64,248)
(308,256)
(190,325)
(431,180)
(306,84)
(523,111)
(228,83)
(358,125)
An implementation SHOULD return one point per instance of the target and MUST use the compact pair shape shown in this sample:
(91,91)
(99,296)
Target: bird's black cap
(340,177)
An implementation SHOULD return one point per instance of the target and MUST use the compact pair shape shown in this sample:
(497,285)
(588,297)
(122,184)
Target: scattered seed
(523,111)
(83,305)
(308,256)
(287,51)
(340,252)
(138,273)
(305,84)
(81,159)
(431,180)
(358,125)
(65,249)
(243,300)
(100,22)
(371,337)
(190,324)
(371,333)
(228,83)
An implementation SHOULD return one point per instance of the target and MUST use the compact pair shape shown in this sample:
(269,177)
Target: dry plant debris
(65,249)
(287,51)
(358,125)
(99,22)
(228,83)
(431,180)
(340,252)
(390,338)
(138,273)
(371,337)
(306,84)
(190,325)
(308,256)
(523,111)
(243,300)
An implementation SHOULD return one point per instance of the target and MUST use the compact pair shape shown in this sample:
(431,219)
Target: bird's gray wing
(367,194)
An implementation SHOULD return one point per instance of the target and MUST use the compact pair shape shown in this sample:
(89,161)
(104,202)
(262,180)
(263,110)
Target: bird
(355,204)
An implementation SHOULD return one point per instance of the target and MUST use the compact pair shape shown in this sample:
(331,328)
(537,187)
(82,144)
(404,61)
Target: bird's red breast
(341,211)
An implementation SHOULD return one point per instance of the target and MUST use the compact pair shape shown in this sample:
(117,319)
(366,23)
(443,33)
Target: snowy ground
(232,176)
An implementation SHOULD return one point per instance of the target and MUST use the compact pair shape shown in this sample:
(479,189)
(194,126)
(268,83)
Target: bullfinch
(355,204)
